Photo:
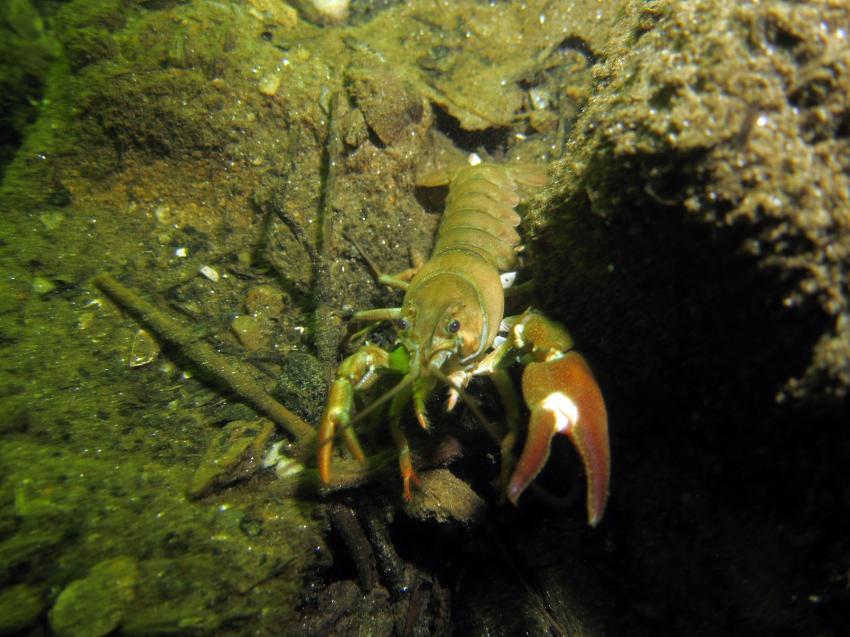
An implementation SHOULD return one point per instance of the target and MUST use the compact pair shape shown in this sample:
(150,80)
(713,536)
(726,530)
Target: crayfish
(451,327)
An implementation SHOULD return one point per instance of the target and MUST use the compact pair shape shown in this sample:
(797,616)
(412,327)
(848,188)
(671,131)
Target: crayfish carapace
(451,327)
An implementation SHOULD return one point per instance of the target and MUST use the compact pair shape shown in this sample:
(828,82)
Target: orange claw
(337,415)
(563,397)
(340,398)
(355,372)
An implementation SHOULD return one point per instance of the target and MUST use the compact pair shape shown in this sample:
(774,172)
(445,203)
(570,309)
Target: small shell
(144,349)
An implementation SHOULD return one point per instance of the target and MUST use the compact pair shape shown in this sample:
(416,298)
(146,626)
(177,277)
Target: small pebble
(253,333)
(269,84)
(51,220)
(264,300)
(20,607)
(42,285)
(210,273)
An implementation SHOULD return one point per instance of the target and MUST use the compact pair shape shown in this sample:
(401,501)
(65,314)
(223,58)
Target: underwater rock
(178,597)
(324,12)
(388,104)
(445,497)
(20,607)
(333,11)
(95,605)
(24,547)
(733,142)
(26,53)
(269,84)
(253,333)
(266,301)
(265,306)
(42,286)
(301,385)
(23,18)
(235,453)
(343,609)
(275,11)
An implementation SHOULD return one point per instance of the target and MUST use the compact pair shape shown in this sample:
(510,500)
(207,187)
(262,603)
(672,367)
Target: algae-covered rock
(26,53)
(175,596)
(724,120)
(481,80)
(444,498)
(301,384)
(95,605)
(253,333)
(20,608)
(388,105)
(26,546)
(235,453)
(14,415)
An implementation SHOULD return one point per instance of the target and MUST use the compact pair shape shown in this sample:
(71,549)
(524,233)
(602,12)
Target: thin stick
(325,332)
(230,374)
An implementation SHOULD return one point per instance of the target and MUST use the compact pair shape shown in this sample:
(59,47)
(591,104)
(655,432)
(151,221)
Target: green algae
(95,605)
(175,138)
(20,607)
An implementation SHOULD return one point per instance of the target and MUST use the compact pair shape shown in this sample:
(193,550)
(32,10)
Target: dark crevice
(493,141)
(691,341)
(575,43)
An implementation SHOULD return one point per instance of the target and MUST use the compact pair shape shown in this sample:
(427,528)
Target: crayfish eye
(454,326)
(402,324)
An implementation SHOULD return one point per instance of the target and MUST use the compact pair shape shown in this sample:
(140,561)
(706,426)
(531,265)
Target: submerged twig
(392,568)
(234,376)
(325,331)
(230,374)
(357,544)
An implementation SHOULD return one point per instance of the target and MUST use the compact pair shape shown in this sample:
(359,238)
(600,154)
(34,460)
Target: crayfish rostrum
(451,327)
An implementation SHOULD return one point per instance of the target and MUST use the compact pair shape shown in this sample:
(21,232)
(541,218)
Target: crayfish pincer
(451,327)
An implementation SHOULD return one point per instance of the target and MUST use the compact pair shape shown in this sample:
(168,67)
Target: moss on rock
(732,120)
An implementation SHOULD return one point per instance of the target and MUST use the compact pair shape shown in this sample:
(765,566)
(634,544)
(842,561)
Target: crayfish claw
(340,398)
(564,398)
(337,416)
(354,373)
